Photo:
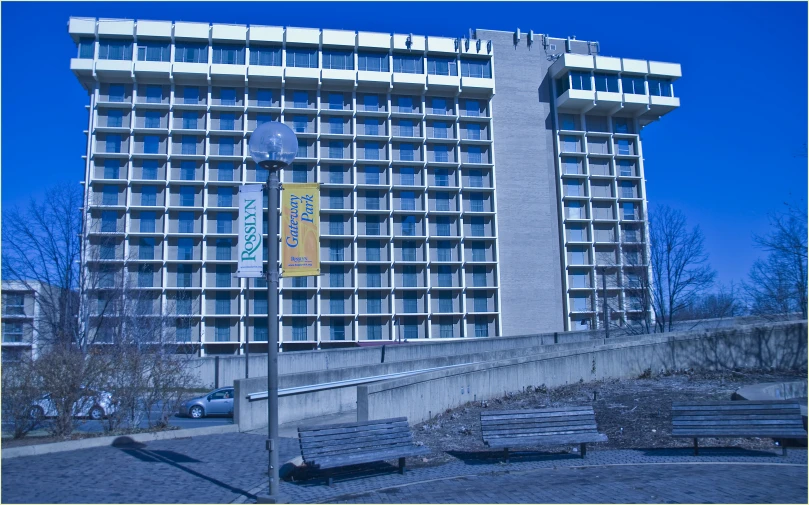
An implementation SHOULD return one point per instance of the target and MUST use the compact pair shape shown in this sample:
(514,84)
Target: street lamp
(272,146)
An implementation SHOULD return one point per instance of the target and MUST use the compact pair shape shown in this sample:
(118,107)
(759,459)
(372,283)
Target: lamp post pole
(272,147)
(606,308)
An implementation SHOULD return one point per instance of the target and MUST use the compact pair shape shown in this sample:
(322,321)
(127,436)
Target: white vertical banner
(251,231)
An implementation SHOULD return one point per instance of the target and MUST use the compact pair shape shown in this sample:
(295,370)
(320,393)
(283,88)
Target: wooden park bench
(337,445)
(553,426)
(717,419)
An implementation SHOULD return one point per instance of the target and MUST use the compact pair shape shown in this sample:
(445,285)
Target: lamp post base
(266,498)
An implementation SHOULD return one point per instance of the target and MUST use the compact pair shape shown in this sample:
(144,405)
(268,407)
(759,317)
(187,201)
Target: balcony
(576,100)
(160,69)
(114,68)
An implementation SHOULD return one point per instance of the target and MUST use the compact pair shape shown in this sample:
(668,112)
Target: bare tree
(21,387)
(679,264)
(777,284)
(724,303)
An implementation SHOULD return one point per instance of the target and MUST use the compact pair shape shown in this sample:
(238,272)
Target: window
(572,188)
(407,176)
(406,104)
(153,51)
(474,155)
(182,332)
(440,154)
(190,96)
(185,249)
(371,150)
(406,64)
(481,302)
(337,329)
(188,170)
(478,251)
(191,53)
(222,327)
(372,225)
(336,101)
(189,145)
(408,251)
(299,331)
(151,119)
(440,106)
(299,282)
(442,66)
(187,194)
(410,330)
(190,120)
(406,128)
(410,304)
(570,144)
(146,247)
(479,277)
(473,108)
(571,165)
(111,169)
(622,125)
(109,195)
(303,149)
(145,306)
(580,80)
(476,203)
(336,252)
(222,299)
(445,303)
(186,222)
(373,250)
(117,93)
(627,189)
(260,332)
(223,276)
(148,195)
(409,226)
(442,201)
(440,130)
(224,197)
(575,234)
(109,221)
(473,131)
(300,99)
(442,177)
(336,225)
(336,125)
(263,118)
(184,281)
(263,97)
(227,96)
(147,222)
(475,179)
(373,277)
(443,226)
(578,257)
(374,303)
(444,276)
(302,58)
(336,149)
(659,87)
(107,251)
(371,126)
(299,173)
(145,276)
(110,49)
(444,250)
(406,152)
(224,223)
(371,102)
(224,171)
(478,227)
(633,85)
(374,329)
(86,48)
(228,55)
(338,60)
(151,144)
(227,121)
(336,304)
(114,119)
(154,94)
(623,146)
(265,56)
(476,68)
(226,146)
(606,82)
(113,143)
(299,303)
(336,199)
(12,332)
(628,210)
(373,62)
(371,175)
(481,329)
(630,235)
(408,200)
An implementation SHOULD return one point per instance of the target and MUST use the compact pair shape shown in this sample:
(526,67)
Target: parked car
(217,402)
(95,405)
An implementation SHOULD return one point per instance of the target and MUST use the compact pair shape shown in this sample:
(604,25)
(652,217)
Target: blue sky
(732,153)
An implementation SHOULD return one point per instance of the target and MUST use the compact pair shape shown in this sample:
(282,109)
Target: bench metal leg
(696,448)
(329,481)
(402,466)
(505,452)
(783,448)
(583,449)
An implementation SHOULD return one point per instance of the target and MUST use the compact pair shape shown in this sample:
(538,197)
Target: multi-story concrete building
(22,321)
(425,233)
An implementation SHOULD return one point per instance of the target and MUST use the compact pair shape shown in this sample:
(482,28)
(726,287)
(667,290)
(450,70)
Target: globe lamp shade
(273,145)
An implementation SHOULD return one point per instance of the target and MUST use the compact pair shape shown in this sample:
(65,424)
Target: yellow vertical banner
(300,225)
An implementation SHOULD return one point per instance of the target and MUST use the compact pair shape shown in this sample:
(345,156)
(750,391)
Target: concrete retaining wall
(780,345)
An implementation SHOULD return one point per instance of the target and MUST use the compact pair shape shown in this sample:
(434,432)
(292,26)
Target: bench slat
(360,424)
(739,422)
(368,457)
(552,429)
(349,430)
(524,415)
(736,405)
(360,442)
(359,432)
(738,434)
(536,411)
(546,440)
(707,417)
(326,452)
(517,423)
(738,412)
(537,433)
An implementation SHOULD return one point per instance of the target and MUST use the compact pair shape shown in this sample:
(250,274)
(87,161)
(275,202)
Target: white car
(92,405)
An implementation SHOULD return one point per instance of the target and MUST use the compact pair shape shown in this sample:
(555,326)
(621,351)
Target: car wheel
(36,413)
(196,412)
(96,413)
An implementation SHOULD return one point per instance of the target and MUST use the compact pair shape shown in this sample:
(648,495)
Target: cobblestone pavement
(232,468)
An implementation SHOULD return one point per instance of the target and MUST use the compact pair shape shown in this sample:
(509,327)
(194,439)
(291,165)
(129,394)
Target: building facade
(425,233)
(21,321)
